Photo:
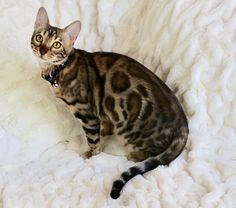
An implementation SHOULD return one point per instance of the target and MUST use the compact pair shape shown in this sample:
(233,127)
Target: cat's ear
(71,32)
(42,20)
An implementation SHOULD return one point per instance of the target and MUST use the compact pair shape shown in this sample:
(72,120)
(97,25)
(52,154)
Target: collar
(53,76)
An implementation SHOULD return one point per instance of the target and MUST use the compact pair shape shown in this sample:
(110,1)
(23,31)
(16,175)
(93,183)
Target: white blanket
(190,44)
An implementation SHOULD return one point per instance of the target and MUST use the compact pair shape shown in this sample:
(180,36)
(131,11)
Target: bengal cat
(112,94)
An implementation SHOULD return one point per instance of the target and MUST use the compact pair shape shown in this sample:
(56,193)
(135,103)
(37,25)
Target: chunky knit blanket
(189,44)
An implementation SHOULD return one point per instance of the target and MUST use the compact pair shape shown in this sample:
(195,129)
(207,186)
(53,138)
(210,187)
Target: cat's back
(118,65)
(129,81)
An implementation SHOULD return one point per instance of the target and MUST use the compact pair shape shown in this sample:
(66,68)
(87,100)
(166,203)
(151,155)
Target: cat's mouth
(52,61)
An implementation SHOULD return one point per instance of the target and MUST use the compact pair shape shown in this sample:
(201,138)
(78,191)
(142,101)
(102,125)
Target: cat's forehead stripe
(52,31)
(57,38)
(52,34)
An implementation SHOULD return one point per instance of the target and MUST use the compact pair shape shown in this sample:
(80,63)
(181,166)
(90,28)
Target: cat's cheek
(36,53)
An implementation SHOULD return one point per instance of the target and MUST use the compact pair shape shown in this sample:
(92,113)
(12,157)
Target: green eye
(56,45)
(39,38)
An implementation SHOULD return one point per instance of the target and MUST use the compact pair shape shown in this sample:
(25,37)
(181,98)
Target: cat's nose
(43,50)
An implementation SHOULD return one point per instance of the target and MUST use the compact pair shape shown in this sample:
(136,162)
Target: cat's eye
(39,38)
(56,45)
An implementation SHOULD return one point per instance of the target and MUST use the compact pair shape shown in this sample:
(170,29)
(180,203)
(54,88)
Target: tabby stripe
(125,114)
(119,124)
(148,134)
(110,105)
(134,104)
(100,80)
(127,129)
(142,90)
(85,118)
(92,126)
(91,141)
(91,131)
(61,55)
(122,103)
(134,135)
(72,102)
(147,111)
(95,126)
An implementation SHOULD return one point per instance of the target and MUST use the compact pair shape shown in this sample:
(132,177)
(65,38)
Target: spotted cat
(112,94)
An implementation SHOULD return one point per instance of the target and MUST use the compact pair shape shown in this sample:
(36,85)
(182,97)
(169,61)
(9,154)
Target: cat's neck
(48,67)
(51,71)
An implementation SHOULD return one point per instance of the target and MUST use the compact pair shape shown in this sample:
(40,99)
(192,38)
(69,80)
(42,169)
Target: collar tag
(55,85)
(53,76)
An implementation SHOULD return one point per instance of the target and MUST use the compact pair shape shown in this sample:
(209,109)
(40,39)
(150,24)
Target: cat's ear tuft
(71,32)
(42,20)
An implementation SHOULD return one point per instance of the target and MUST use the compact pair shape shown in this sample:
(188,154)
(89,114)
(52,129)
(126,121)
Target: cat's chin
(58,62)
(50,62)
(42,60)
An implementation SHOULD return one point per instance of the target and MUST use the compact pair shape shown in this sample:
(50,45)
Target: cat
(112,94)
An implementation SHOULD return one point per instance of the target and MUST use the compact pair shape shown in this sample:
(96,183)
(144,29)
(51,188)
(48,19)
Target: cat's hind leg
(136,156)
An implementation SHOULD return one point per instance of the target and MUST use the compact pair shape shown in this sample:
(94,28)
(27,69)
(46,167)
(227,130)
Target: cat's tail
(174,149)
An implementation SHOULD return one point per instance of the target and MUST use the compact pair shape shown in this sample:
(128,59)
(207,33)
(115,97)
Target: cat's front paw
(91,153)
(87,154)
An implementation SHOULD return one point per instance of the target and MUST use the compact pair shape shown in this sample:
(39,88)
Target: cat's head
(51,44)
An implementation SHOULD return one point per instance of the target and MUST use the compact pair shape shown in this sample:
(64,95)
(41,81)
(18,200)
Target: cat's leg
(92,131)
(134,153)
(136,156)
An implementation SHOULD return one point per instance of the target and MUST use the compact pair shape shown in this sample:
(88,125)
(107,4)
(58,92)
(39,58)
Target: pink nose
(43,50)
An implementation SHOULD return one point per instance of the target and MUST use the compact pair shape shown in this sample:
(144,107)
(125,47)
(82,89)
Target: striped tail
(173,150)
(142,168)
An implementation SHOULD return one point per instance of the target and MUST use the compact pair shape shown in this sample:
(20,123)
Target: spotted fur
(112,94)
